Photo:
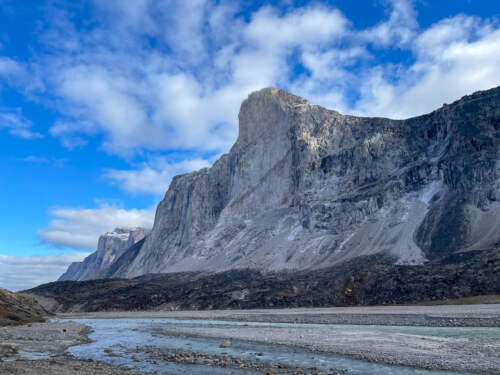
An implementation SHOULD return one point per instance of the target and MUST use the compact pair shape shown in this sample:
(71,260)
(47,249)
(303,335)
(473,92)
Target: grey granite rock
(110,247)
(305,187)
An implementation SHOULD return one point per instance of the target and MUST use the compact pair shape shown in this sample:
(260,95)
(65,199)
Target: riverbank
(61,367)
(39,348)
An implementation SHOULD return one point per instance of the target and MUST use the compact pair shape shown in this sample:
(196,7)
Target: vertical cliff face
(110,247)
(305,187)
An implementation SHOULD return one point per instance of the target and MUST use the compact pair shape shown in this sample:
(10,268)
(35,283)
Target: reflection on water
(123,336)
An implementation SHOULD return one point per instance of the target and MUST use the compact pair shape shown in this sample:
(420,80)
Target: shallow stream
(123,336)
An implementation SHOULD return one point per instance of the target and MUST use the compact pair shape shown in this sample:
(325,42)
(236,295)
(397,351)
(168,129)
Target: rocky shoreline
(20,345)
(61,366)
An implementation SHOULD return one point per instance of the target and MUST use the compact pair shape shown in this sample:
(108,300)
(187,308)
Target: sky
(102,102)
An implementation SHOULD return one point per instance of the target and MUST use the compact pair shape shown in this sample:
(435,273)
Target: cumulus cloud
(153,179)
(454,57)
(19,273)
(17,125)
(80,228)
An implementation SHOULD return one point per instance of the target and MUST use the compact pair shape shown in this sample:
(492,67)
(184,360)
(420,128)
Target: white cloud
(399,30)
(307,27)
(17,125)
(19,273)
(455,57)
(80,228)
(153,180)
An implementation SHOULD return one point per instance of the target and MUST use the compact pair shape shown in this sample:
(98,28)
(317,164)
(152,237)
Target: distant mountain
(18,308)
(306,188)
(109,248)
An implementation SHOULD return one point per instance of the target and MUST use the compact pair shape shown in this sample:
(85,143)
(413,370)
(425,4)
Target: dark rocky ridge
(368,280)
(306,188)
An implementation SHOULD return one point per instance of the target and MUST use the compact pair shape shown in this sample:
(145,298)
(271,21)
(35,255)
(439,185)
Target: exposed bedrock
(305,187)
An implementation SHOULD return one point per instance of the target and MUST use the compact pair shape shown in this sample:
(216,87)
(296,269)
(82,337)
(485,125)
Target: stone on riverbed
(225,344)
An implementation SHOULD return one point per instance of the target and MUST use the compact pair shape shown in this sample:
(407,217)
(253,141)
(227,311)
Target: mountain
(306,188)
(110,247)
(17,308)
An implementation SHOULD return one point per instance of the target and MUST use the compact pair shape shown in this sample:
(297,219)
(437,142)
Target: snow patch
(430,190)
(295,230)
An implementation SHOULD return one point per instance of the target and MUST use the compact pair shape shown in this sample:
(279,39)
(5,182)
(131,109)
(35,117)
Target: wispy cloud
(80,228)
(33,159)
(17,125)
(18,273)
(9,68)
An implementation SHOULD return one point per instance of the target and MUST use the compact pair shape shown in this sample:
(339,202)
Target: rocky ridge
(367,280)
(305,187)
(18,308)
(110,247)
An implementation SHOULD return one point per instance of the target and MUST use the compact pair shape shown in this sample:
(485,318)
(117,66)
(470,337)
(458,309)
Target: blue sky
(102,102)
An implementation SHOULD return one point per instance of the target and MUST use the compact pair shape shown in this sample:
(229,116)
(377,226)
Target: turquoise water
(123,335)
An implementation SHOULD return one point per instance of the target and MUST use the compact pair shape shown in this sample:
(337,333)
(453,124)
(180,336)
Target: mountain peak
(266,112)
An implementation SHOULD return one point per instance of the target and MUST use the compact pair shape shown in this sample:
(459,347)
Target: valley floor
(461,339)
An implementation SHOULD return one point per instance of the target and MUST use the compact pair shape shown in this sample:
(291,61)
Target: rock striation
(110,247)
(305,187)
